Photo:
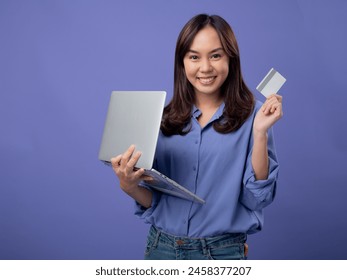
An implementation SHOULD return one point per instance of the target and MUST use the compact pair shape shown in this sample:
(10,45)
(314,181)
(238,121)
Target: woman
(215,140)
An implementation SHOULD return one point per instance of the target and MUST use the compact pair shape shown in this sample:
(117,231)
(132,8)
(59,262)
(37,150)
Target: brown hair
(238,99)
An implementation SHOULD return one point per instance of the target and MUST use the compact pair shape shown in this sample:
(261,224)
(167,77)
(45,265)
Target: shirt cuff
(143,212)
(257,194)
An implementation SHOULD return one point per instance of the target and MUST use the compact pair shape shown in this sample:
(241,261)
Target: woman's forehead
(206,39)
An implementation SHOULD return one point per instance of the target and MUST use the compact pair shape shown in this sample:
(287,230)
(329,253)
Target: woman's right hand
(123,165)
(129,178)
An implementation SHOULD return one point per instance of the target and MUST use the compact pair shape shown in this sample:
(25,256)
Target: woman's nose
(205,65)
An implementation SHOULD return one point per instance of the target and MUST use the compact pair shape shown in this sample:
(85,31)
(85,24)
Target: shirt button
(194,168)
(196,142)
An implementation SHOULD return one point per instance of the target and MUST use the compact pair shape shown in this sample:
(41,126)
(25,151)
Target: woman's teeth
(206,81)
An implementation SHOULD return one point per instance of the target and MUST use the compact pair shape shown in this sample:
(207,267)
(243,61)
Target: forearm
(260,159)
(142,195)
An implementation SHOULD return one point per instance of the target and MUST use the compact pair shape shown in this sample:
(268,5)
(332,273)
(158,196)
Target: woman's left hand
(269,114)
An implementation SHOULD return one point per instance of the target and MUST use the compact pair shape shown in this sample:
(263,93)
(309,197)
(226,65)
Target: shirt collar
(197,113)
(219,112)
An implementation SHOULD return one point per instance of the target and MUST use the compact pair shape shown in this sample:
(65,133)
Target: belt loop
(204,246)
(156,240)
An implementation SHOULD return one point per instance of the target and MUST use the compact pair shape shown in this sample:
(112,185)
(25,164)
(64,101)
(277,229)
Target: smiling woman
(206,64)
(216,141)
(206,47)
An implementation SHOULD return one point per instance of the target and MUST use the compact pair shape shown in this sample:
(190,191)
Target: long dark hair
(238,99)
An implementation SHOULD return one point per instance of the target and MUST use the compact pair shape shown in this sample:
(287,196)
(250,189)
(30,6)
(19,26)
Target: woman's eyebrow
(214,50)
(192,51)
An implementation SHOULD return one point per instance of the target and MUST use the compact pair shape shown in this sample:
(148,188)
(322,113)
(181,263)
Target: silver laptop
(134,117)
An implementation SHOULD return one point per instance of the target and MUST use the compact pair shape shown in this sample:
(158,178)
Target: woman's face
(206,64)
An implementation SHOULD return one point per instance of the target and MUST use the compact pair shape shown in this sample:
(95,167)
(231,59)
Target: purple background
(60,60)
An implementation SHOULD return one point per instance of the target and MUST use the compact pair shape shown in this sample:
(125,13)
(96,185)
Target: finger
(278,110)
(139,173)
(126,156)
(146,178)
(272,97)
(268,105)
(115,161)
(279,97)
(133,161)
(274,107)
(277,100)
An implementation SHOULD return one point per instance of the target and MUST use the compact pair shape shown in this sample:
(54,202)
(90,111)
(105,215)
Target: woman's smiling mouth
(206,80)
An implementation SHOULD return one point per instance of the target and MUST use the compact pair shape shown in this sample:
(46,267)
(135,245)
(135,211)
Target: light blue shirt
(217,167)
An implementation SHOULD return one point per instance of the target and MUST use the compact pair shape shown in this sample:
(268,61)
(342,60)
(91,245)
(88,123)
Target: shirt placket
(194,164)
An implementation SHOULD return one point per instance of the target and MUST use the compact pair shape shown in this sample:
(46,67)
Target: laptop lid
(133,117)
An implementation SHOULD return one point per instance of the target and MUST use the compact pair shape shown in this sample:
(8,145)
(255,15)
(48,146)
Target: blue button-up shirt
(217,167)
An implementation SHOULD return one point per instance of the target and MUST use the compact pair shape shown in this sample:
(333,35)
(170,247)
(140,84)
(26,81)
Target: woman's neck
(208,102)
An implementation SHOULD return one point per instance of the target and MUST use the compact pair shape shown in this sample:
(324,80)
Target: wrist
(260,134)
(142,195)
(129,189)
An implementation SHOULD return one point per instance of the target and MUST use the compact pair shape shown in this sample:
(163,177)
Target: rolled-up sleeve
(143,212)
(257,194)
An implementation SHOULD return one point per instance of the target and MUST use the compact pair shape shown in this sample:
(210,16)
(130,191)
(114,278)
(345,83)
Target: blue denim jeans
(163,246)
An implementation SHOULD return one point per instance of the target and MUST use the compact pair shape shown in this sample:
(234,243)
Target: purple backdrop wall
(59,61)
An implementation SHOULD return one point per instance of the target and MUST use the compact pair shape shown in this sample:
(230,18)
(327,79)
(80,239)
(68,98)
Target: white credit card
(271,83)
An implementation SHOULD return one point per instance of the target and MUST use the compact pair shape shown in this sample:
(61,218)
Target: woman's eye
(216,56)
(193,57)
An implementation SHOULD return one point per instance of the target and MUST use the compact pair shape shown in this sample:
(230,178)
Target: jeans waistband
(183,242)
